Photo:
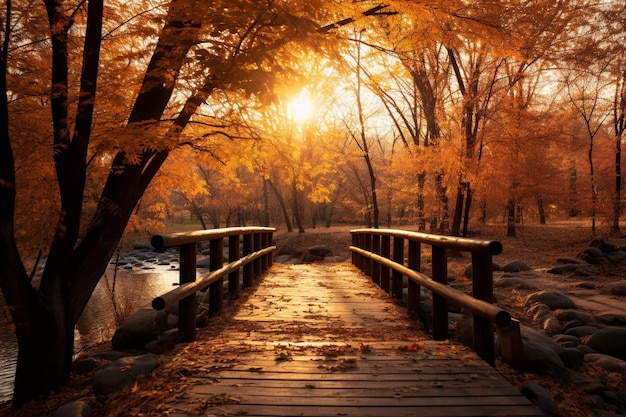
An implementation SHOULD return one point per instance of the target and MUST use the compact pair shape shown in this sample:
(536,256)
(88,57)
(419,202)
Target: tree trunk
(573,192)
(266,205)
(617,198)
(442,196)
(421,216)
(510,218)
(594,190)
(458,211)
(296,209)
(542,211)
(375,209)
(283,206)
(466,213)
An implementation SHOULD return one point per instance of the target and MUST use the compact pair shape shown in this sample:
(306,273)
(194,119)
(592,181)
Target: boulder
(84,365)
(516,266)
(581,331)
(542,354)
(538,311)
(140,328)
(203,263)
(606,362)
(611,319)
(164,342)
(316,253)
(616,257)
(281,259)
(564,261)
(604,244)
(539,396)
(551,325)
(74,409)
(593,256)
(609,341)
(573,358)
(566,341)
(572,323)
(513,282)
(122,373)
(571,314)
(553,299)
(563,269)
(615,288)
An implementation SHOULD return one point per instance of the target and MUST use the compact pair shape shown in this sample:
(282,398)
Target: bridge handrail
(486,310)
(256,259)
(372,253)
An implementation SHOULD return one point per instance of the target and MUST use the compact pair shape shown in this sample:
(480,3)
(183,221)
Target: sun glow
(301,108)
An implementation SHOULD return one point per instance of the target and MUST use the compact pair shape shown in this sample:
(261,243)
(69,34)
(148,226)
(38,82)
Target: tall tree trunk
(542,211)
(442,196)
(266,204)
(594,190)
(573,191)
(617,198)
(510,218)
(283,206)
(458,210)
(296,209)
(421,216)
(619,126)
(466,212)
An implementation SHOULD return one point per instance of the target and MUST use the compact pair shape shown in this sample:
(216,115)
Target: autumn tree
(238,48)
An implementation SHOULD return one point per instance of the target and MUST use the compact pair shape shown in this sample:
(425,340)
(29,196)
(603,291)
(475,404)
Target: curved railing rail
(255,259)
(373,253)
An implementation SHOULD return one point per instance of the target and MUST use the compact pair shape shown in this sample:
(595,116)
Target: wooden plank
(252,388)
(372,384)
(323,340)
(308,411)
(391,401)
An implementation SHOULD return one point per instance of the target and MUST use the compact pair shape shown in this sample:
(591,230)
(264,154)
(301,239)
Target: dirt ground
(536,245)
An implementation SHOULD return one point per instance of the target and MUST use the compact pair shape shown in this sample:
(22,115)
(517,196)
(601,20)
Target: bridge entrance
(324,340)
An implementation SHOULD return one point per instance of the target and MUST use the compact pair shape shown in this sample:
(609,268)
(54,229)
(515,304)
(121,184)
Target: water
(135,289)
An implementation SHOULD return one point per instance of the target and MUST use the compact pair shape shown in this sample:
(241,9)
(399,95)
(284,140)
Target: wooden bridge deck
(322,340)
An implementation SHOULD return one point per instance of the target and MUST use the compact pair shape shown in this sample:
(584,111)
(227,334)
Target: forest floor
(539,246)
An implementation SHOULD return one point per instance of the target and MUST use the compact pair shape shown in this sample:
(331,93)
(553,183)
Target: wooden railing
(255,259)
(374,253)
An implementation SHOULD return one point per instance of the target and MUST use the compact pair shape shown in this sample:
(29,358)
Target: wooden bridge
(325,340)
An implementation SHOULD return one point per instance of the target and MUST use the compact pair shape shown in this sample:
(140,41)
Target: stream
(135,289)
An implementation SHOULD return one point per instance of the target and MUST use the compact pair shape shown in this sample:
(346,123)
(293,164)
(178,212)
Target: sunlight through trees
(433,115)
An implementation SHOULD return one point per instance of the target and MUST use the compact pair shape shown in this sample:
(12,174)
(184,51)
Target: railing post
(482,289)
(234,253)
(440,304)
(270,256)
(367,262)
(376,265)
(264,260)
(216,289)
(187,306)
(360,260)
(248,269)
(355,243)
(413,299)
(385,251)
(398,257)
(258,267)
